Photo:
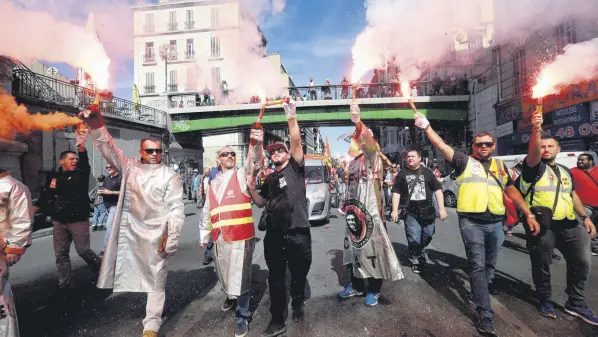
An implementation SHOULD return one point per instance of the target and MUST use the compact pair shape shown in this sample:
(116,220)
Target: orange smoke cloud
(14,118)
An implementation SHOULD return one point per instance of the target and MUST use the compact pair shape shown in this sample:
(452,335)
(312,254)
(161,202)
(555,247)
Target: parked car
(317,183)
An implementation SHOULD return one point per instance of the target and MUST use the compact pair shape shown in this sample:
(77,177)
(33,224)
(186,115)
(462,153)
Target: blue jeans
(208,252)
(111,213)
(99,213)
(482,244)
(419,237)
(243,313)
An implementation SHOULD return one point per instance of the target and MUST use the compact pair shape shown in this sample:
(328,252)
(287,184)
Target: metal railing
(189,24)
(29,84)
(173,87)
(189,55)
(149,58)
(173,26)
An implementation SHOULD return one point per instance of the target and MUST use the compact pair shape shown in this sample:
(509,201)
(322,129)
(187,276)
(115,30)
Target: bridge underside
(217,122)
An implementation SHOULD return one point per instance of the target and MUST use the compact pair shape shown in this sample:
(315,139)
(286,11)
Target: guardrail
(30,84)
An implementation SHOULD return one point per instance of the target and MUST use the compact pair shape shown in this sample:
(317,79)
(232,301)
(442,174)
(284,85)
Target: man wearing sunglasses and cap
(147,222)
(288,238)
(482,181)
(227,220)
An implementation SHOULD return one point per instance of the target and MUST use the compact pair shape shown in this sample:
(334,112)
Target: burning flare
(15,118)
(545,86)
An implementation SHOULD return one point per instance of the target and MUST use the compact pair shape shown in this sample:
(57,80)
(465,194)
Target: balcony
(172,26)
(29,85)
(173,88)
(149,58)
(189,24)
(149,89)
(173,56)
(189,55)
(149,28)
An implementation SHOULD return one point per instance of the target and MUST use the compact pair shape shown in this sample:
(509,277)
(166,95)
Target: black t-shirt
(531,174)
(459,162)
(112,184)
(420,184)
(284,192)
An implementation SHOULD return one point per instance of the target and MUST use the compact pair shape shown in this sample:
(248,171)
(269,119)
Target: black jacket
(65,196)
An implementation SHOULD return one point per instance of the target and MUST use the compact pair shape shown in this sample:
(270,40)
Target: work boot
(149,333)
(274,329)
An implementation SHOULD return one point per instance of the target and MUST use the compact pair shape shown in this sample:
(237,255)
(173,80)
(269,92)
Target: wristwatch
(532,216)
(584,217)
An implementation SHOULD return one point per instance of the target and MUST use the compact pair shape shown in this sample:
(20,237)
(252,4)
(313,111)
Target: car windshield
(314,174)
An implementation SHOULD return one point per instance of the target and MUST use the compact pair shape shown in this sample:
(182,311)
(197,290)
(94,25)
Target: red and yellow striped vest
(232,216)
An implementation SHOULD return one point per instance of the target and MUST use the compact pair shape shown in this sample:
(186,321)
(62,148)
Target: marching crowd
(144,202)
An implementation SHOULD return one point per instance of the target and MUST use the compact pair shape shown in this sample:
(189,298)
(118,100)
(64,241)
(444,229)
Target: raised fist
(355,113)
(290,109)
(421,121)
(257,136)
(92,116)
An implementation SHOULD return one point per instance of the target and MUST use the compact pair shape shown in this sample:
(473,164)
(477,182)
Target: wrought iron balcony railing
(173,26)
(189,55)
(149,89)
(29,84)
(173,87)
(189,24)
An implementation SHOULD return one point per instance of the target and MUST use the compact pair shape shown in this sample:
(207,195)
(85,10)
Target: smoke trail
(578,63)
(37,35)
(419,35)
(15,119)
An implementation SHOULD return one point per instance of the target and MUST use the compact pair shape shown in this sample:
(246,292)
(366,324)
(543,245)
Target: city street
(433,303)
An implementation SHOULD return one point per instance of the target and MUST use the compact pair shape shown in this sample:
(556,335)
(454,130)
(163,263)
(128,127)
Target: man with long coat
(147,224)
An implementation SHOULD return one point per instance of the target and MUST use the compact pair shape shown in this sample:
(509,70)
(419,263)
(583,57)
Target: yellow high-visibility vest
(544,193)
(479,191)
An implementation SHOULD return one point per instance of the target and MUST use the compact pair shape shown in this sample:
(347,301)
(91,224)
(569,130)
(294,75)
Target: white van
(451,191)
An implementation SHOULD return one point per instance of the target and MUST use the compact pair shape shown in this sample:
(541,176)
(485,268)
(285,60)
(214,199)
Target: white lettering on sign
(567,120)
(594,110)
(566,111)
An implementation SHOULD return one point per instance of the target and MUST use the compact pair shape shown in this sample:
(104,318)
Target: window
(149,23)
(190,51)
(519,72)
(189,23)
(173,78)
(149,52)
(215,73)
(476,41)
(565,34)
(215,46)
(215,17)
(150,86)
(172,24)
(173,53)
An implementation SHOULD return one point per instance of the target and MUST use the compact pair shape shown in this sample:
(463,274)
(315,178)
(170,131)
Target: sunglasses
(226,154)
(487,144)
(152,151)
(277,151)
(108,167)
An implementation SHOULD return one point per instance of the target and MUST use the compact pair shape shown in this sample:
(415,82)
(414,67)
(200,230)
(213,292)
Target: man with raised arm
(147,223)
(227,219)
(16,219)
(367,247)
(549,191)
(481,180)
(288,237)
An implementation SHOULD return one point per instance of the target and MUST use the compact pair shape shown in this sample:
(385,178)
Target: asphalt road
(430,304)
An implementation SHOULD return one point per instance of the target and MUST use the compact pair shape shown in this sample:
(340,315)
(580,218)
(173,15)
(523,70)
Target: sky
(314,38)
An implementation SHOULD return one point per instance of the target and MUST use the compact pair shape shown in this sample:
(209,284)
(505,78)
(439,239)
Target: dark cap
(276,146)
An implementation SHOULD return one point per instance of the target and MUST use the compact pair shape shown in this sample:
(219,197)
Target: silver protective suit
(371,254)
(150,209)
(16,219)
(233,260)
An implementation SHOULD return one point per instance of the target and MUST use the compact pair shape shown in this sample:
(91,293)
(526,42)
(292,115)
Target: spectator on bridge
(344,88)
(326,90)
(206,95)
(437,83)
(312,89)
(374,89)
(463,87)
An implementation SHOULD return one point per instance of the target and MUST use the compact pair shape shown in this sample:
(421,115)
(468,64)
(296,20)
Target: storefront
(571,117)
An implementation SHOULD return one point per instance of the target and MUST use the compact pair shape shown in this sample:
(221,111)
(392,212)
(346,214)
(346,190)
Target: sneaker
(556,257)
(582,311)
(594,253)
(207,260)
(416,269)
(101,255)
(546,309)
(485,327)
(94,228)
(298,314)
(348,292)
(274,329)
(149,333)
(371,299)
(228,304)
(241,329)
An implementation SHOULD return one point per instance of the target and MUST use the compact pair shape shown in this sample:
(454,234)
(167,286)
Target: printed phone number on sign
(572,131)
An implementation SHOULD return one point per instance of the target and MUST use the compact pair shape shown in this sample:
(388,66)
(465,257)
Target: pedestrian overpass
(218,119)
